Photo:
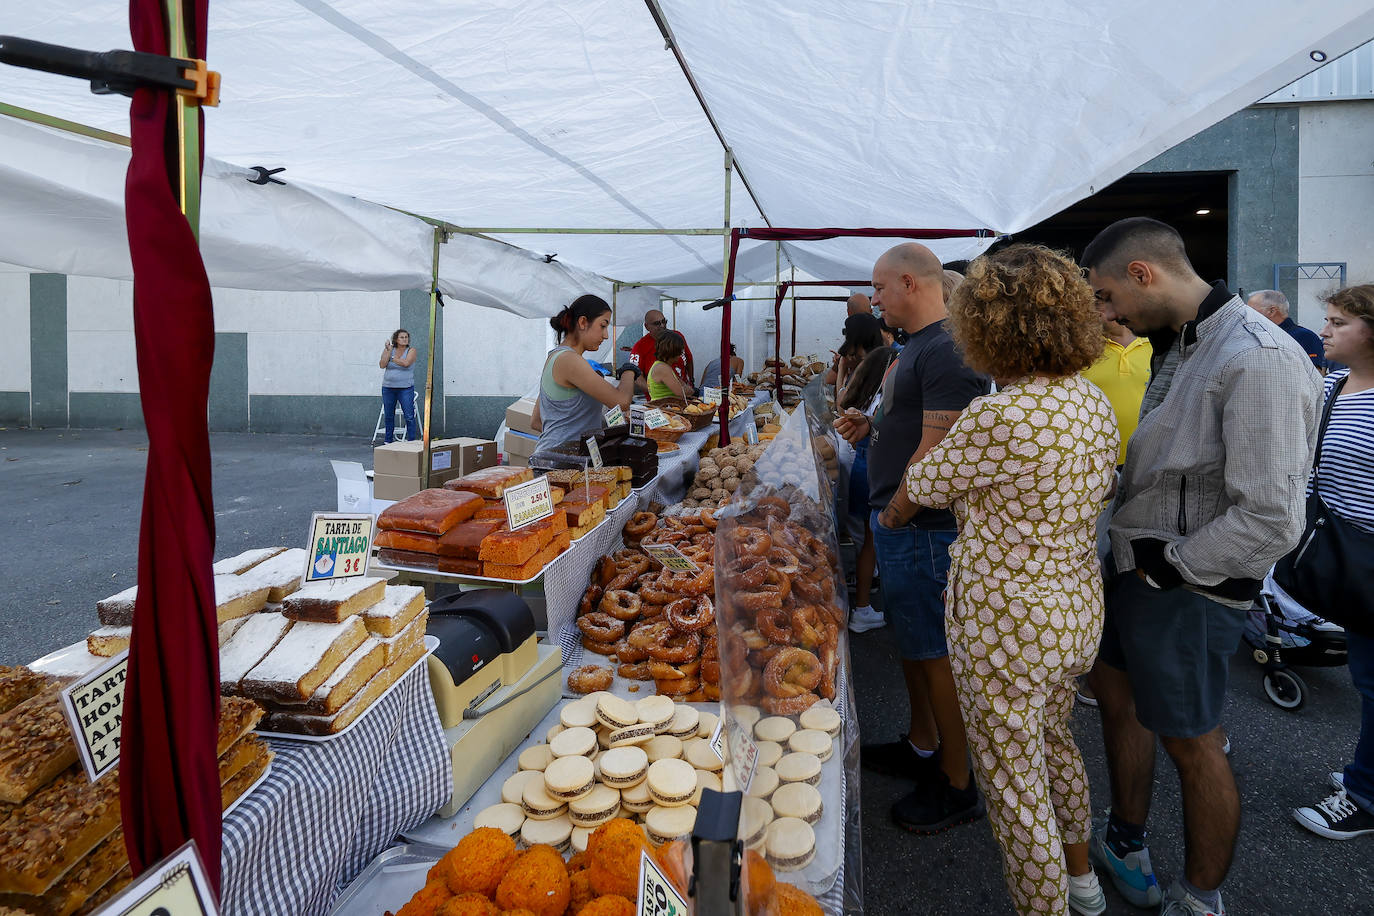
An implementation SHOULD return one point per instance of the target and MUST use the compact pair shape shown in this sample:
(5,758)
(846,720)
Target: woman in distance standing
(398,383)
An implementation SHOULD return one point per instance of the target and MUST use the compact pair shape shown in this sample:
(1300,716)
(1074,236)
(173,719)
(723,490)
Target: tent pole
(731,246)
(777,338)
(429,367)
(615,320)
(794,310)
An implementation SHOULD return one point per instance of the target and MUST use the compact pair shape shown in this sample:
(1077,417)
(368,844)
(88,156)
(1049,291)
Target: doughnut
(751,542)
(628,653)
(829,652)
(708,692)
(750,577)
(753,639)
(640,524)
(777,581)
(784,560)
(689,615)
(590,678)
(791,673)
(678,686)
(621,605)
(635,672)
(789,706)
(677,648)
(590,598)
(601,627)
(806,624)
(708,520)
(759,601)
(650,611)
(775,624)
(604,572)
(666,672)
(600,648)
(710,671)
(646,636)
(659,591)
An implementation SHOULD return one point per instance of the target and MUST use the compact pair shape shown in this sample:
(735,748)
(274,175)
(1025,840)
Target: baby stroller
(1282,632)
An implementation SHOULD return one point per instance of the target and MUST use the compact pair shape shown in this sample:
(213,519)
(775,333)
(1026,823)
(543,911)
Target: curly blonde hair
(1026,310)
(1355,301)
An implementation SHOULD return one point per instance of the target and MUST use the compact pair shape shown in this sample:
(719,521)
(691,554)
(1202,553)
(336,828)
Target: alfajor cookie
(754,817)
(578,714)
(636,798)
(706,724)
(672,782)
(811,741)
(573,742)
(667,824)
(684,722)
(822,718)
(797,767)
(555,832)
(699,754)
(774,728)
(797,799)
(535,757)
(764,783)
(705,780)
(569,778)
(513,789)
(790,844)
(538,803)
(769,753)
(613,712)
(657,711)
(505,817)
(622,767)
(663,747)
(595,808)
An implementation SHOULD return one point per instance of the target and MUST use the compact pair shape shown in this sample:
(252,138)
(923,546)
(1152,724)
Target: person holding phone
(398,383)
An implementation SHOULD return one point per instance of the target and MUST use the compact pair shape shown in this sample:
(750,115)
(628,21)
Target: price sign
(339,546)
(670,557)
(718,740)
(655,419)
(94,705)
(528,503)
(751,431)
(594,451)
(176,886)
(637,426)
(615,416)
(657,896)
(711,395)
(744,752)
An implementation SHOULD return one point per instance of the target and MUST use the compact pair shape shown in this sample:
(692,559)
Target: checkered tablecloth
(326,809)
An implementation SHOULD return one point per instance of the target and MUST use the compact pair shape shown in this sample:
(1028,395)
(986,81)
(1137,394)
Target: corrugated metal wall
(1350,76)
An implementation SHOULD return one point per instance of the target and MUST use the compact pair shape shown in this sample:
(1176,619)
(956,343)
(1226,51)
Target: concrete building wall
(14,349)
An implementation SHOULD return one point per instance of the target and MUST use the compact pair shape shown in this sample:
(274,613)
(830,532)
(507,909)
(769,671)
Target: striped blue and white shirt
(1347,461)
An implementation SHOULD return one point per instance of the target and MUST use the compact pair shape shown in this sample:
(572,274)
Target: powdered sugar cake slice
(347,679)
(413,632)
(234,597)
(117,610)
(393,613)
(108,641)
(333,599)
(302,660)
(255,637)
(234,566)
(281,573)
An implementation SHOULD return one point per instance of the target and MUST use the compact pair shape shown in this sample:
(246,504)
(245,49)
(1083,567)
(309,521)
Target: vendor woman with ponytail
(572,396)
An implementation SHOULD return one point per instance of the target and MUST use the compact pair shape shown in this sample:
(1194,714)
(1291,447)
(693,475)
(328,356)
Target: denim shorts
(1175,647)
(915,570)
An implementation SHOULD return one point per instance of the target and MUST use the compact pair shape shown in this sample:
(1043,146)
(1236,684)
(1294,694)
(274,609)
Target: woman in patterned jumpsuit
(1026,470)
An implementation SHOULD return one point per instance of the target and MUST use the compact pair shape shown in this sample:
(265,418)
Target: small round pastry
(672,782)
(639,733)
(755,816)
(570,778)
(578,714)
(796,767)
(790,844)
(513,789)
(595,697)
(797,799)
(765,782)
(555,832)
(580,835)
(657,711)
(822,718)
(663,747)
(603,737)
(615,712)
(636,799)
(556,728)
(623,767)
(667,824)
(746,716)
(700,755)
(774,728)
(770,752)
(706,724)
(705,780)
(595,808)
(573,742)
(535,757)
(505,817)
(538,803)
(811,741)
(684,722)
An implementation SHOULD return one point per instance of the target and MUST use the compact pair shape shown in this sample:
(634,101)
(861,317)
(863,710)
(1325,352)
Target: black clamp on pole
(716,855)
(115,72)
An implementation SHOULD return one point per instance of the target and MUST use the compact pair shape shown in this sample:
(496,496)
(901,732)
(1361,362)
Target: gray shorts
(1175,648)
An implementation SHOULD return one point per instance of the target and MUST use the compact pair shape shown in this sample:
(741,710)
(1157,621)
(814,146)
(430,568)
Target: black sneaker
(900,760)
(936,808)
(1336,818)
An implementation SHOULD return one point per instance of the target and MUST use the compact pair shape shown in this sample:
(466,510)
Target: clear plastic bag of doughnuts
(781,657)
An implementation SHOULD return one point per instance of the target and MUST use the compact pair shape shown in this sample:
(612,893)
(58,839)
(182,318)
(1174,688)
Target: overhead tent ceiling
(536,113)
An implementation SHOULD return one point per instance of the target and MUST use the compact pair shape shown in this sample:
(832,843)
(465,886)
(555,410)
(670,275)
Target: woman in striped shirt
(1347,485)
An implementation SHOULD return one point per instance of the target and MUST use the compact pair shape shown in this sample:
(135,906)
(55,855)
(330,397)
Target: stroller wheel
(1285,689)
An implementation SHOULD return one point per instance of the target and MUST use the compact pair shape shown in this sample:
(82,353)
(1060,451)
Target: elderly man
(1273,305)
(1204,508)
(923,394)
(642,353)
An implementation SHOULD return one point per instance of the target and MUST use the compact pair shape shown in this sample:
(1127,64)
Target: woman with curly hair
(1026,470)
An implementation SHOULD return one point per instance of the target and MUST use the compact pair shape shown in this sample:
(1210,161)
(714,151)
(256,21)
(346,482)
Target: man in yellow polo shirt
(1122,373)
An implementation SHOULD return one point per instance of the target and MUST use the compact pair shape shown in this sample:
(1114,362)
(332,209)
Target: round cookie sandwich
(555,832)
(764,783)
(613,712)
(797,799)
(706,724)
(672,782)
(513,789)
(755,816)
(505,817)
(699,754)
(595,808)
(705,780)
(774,728)
(636,799)
(535,757)
(657,711)
(746,716)
(623,767)
(811,741)
(578,714)
(685,721)
(569,778)
(770,752)
(580,835)
(821,718)
(663,747)
(797,767)
(538,803)
(639,733)
(573,742)
(554,729)
(667,824)
(790,844)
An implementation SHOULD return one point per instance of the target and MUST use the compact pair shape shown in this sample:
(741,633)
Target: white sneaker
(1337,778)
(864,619)
(1085,895)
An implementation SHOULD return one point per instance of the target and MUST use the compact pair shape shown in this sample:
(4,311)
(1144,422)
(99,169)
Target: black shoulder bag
(1331,572)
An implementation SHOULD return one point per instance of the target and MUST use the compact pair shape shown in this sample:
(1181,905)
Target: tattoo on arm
(941,420)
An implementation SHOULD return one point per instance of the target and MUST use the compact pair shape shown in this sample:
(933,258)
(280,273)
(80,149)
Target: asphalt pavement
(70,517)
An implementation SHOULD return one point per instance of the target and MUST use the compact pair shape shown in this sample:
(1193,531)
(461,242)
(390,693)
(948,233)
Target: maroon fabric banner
(725,371)
(774,234)
(169,777)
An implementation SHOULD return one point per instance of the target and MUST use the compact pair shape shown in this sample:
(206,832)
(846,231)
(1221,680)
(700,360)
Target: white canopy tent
(548,113)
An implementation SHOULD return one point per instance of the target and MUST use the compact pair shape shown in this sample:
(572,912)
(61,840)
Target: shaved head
(914,259)
(655,323)
(1138,238)
(858,304)
(907,286)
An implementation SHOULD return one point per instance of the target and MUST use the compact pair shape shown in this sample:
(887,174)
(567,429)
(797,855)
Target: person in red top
(642,353)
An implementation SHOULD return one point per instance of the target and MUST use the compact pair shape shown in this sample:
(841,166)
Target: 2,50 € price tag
(657,896)
(528,503)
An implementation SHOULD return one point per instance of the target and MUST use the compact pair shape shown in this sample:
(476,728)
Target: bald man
(859,304)
(642,353)
(922,396)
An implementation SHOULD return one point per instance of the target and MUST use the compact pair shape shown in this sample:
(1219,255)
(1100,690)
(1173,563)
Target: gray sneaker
(1178,902)
(865,619)
(1089,901)
(1132,876)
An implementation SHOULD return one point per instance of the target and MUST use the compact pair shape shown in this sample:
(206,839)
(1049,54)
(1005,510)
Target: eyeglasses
(659,324)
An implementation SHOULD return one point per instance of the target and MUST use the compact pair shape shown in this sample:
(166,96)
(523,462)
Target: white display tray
(257,782)
(387,882)
(431,643)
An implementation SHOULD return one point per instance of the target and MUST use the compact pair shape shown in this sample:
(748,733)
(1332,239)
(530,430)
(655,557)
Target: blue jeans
(1359,775)
(915,565)
(406,398)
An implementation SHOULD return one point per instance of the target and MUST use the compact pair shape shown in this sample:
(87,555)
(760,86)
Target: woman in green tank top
(663,381)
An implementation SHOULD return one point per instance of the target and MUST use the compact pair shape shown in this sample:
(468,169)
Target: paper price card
(657,896)
(670,557)
(711,395)
(339,546)
(744,752)
(655,419)
(94,705)
(718,740)
(528,503)
(615,416)
(176,886)
(751,431)
(594,451)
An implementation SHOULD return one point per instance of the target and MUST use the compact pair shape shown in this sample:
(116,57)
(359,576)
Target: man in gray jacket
(1211,495)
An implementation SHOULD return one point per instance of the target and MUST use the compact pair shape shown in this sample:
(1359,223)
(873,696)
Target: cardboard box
(518,461)
(474,454)
(519,416)
(402,459)
(519,444)
(388,486)
(397,459)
